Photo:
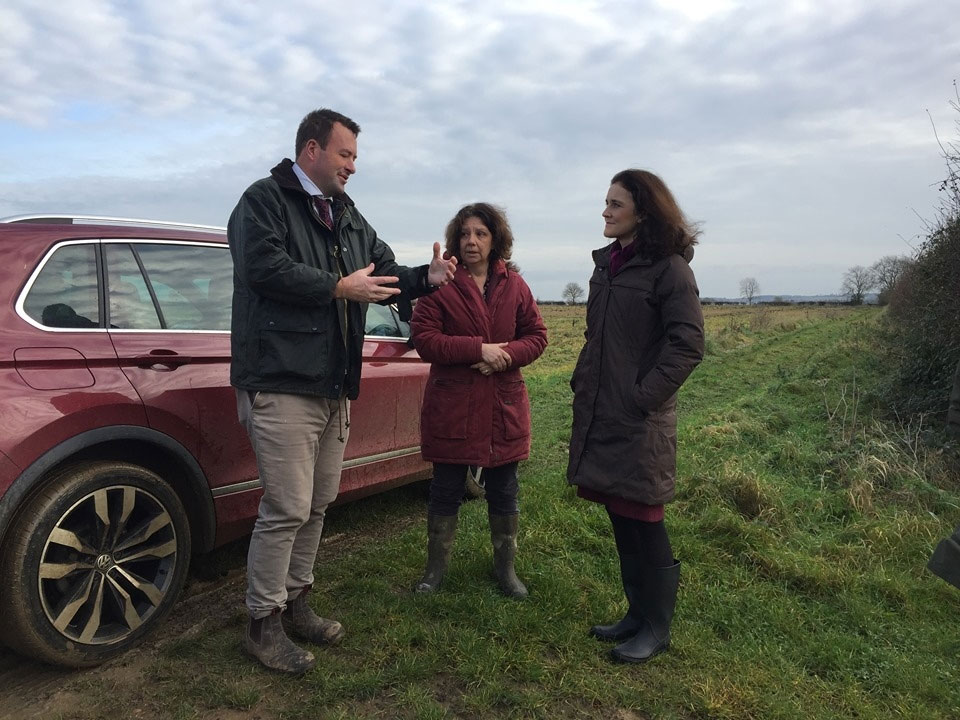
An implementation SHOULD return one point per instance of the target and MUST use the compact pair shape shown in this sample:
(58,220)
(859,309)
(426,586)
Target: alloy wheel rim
(107,565)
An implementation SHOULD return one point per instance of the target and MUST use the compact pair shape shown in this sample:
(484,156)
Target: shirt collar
(308,184)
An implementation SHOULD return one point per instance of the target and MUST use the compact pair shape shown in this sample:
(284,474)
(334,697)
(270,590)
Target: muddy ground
(31,690)
(212,598)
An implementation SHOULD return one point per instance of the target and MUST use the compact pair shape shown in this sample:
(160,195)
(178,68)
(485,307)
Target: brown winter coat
(468,418)
(644,337)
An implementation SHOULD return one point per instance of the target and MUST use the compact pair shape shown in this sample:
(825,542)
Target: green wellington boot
(441,530)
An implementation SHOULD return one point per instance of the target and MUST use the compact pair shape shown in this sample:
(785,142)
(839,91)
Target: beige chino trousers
(299,452)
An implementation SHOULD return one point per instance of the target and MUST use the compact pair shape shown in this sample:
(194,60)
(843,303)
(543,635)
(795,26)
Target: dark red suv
(120,449)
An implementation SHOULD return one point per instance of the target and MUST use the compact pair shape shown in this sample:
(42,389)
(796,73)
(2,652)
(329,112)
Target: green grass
(802,520)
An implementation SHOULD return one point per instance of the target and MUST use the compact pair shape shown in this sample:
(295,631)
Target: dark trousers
(645,541)
(449,483)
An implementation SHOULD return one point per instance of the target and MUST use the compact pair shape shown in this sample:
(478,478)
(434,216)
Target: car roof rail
(104,220)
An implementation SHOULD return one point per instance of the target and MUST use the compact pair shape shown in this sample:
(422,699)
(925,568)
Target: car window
(193,284)
(64,293)
(130,306)
(384,321)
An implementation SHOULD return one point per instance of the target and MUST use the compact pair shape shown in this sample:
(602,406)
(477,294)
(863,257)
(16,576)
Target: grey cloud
(781,126)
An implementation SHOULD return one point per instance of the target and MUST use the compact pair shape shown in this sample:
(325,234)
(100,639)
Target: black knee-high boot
(657,600)
(629,553)
(630,624)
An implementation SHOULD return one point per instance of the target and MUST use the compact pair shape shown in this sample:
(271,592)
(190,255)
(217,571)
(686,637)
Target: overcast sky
(800,134)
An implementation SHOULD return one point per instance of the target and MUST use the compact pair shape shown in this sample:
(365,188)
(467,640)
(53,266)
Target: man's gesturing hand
(362,286)
(441,269)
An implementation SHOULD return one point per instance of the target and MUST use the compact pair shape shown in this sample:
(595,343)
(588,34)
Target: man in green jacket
(306,263)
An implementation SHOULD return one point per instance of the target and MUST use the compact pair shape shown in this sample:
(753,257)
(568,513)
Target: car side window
(192,285)
(384,321)
(130,306)
(64,294)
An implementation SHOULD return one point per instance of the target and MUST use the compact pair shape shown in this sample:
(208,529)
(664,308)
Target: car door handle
(162,360)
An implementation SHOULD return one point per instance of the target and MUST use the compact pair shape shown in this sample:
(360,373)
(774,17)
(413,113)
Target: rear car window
(64,294)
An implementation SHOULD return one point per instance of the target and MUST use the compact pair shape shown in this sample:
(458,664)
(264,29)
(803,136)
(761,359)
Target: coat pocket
(293,352)
(629,390)
(514,409)
(447,408)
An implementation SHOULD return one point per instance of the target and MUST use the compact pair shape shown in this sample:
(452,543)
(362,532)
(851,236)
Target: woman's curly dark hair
(495,220)
(664,230)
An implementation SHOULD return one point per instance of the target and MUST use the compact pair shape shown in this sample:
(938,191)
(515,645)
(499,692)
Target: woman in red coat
(476,333)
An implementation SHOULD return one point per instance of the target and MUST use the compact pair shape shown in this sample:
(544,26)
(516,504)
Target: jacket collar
(601,257)
(497,269)
(464,280)
(287,179)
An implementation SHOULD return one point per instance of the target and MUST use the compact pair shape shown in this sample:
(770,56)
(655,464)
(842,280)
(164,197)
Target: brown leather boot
(268,643)
(302,622)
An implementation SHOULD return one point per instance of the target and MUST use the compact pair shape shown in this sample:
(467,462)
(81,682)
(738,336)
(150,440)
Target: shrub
(923,326)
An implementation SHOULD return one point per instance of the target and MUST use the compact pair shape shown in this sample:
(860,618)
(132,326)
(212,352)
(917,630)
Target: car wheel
(92,563)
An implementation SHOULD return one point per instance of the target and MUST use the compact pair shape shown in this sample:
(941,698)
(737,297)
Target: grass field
(802,520)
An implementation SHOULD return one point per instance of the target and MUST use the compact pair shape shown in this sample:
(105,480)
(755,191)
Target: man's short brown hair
(317,126)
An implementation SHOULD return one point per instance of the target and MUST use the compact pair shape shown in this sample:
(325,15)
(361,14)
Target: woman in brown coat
(476,332)
(644,337)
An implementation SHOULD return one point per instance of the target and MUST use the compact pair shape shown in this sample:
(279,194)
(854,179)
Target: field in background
(803,520)
(726,326)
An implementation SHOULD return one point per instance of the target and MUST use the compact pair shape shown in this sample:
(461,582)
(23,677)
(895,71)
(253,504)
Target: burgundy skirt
(620,506)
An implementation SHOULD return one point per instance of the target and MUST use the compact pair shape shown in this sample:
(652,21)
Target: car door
(384,446)
(59,372)
(168,314)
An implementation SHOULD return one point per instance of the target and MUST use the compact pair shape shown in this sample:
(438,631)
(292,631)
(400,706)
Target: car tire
(92,563)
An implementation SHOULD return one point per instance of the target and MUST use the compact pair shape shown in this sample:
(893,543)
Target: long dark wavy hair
(495,219)
(664,229)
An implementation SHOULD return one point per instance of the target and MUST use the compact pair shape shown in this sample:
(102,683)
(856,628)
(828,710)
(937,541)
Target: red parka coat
(468,418)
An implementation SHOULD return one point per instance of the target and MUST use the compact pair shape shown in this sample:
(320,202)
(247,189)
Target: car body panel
(37,416)
(56,383)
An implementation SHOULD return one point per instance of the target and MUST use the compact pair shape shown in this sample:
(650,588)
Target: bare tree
(749,287)
(572,293)
(857,281)
(887,272)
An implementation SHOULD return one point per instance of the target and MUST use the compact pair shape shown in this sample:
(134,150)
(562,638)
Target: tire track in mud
(30,689)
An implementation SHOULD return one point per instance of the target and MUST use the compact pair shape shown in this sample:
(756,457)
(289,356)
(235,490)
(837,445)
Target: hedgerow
(923,324)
